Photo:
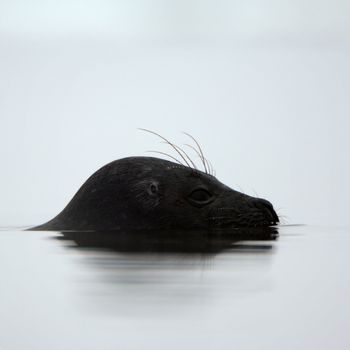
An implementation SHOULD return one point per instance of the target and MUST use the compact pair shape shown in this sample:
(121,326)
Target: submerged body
(152,193)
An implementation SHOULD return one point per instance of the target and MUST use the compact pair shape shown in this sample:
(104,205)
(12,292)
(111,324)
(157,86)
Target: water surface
(289,291)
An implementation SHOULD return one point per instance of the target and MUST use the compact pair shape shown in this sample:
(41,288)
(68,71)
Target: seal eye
(153,188)
(201,196)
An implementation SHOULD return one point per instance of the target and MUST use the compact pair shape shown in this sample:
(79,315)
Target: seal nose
(268,209)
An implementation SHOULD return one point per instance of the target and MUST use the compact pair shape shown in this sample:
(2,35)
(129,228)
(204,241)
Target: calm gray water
(291,292)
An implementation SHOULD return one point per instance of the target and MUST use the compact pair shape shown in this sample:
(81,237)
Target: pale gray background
(264,86)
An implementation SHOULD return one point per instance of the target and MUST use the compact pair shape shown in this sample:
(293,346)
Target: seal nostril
(267,208)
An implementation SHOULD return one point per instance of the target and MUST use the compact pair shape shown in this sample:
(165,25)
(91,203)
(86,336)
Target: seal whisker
(168,155)
(200,156)
(200,150)
(191,161)
(208,166)
(278,211)
(188,157)
(213,172)
(167,141)
(284,219)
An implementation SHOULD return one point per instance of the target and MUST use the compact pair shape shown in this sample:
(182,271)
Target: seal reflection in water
(152,193)
(174,241)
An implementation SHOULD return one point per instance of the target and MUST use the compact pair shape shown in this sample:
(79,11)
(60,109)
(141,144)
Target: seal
(150,193)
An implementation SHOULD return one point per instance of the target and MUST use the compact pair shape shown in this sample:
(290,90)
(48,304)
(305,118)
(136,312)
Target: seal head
(152,193)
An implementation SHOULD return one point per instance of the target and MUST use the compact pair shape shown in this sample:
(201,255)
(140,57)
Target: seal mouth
(227,223)
(260,214)
(241,221)
(267,208)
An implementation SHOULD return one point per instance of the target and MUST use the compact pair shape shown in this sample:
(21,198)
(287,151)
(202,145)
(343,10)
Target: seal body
(150,193)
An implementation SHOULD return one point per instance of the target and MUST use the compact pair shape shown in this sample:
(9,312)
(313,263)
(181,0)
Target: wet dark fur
(152,193)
